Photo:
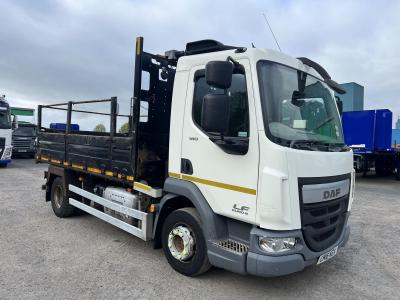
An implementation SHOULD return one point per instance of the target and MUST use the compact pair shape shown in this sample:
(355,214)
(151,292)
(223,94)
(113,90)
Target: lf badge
(241,209)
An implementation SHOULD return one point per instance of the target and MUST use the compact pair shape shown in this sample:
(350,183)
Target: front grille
(323,222)
(22,143)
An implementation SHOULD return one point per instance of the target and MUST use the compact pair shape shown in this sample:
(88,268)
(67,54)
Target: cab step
(233,246)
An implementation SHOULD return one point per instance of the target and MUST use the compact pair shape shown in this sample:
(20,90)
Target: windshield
(299,110)
(5,118)
(25,131)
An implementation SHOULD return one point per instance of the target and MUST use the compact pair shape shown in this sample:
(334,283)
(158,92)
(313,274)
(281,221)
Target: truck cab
(6,126)
(280,165)
(240,164)
(24,139)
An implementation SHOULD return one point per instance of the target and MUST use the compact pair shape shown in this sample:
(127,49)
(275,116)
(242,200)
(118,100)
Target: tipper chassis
(203,180)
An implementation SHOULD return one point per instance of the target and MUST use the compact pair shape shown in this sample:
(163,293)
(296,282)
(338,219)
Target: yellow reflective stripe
(137,46)
(94,170)
(66,163)
(109,173)
(55,161)
(130,178)
(235,188)
(77,166)
(142,186)
(44,158)
(176,175)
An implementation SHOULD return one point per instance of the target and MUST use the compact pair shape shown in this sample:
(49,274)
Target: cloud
(54,51)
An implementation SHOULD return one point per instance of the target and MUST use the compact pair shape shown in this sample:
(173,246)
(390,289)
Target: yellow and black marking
(138,185)
(217,184)
(148,190)
(94,170)
(76,166)
(141,187)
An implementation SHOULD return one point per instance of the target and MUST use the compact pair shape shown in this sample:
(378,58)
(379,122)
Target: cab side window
(238,109)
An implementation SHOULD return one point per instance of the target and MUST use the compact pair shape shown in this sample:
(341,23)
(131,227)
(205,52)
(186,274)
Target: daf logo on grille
(331,194)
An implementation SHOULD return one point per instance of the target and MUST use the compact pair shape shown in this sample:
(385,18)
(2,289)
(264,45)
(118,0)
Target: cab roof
(200,52)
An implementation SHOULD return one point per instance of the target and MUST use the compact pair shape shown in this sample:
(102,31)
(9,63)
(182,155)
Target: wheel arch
(182,194)
(52,173)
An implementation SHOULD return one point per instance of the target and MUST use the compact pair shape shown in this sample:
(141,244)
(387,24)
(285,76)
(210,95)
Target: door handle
(186,166)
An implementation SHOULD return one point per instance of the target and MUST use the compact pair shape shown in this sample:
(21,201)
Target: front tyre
(59,202)
(183,242)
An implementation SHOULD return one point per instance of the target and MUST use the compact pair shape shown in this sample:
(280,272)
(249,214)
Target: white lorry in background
(239,164)
(6,127)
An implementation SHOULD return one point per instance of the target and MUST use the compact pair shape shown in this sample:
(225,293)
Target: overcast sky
(52,51)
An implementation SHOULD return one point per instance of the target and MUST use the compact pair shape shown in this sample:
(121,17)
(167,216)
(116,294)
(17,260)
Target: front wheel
(183,242)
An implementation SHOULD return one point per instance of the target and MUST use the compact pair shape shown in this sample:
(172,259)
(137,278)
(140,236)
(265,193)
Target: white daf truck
(6,128)
(240,162)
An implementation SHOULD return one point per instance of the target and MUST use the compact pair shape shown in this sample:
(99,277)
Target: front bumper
(5,155)
(16,150)
(259,263)
(4,161)
(268,265)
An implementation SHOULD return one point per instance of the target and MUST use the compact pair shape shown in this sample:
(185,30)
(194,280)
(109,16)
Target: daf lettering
(331,194)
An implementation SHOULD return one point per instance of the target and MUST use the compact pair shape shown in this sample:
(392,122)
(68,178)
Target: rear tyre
(183,242)
(59,202)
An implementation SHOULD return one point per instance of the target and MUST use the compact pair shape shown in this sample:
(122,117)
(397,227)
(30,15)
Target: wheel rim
(58,197)
(181,243)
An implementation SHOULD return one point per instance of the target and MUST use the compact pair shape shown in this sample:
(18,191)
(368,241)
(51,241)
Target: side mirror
(215,113)
(219,74)
(339,104)
(14,123)
(297,97)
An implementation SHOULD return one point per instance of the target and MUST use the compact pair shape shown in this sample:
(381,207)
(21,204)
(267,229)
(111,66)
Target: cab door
(228,181)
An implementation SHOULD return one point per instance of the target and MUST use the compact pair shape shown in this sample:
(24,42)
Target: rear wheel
(59,202)
(183,242)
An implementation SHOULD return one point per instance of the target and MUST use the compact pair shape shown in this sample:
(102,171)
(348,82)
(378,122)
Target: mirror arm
(229,58)
(236,64)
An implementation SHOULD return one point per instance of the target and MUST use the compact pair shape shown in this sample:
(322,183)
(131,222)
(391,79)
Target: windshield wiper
(301,144)
(318,146)
(338,147)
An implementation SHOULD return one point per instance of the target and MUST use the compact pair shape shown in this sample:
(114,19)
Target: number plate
(327,255)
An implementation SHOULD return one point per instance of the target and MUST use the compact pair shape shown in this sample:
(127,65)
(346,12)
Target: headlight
(276,244)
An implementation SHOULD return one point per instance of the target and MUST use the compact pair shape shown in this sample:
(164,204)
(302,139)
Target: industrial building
(397,126)
(353,99)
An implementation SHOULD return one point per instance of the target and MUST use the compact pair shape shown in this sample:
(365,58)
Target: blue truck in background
(369,134)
